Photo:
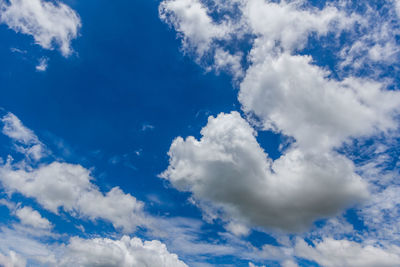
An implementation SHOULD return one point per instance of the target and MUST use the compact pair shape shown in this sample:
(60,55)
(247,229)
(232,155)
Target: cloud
(190,18)
(43,63)
(26,140)
(14,129)
(262,45)
(61,185)
(292,96)
(49,23)
(228,168)
(119,253)
(32,218)
(26,247)
(12,260)
(68,186)
(344,253)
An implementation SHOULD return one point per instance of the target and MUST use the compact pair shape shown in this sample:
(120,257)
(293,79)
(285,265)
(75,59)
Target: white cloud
(228,168)
(69,186)
(26,140)
(43,63)
(344,253)
(119,253)
(289,24)
(26,247)
(12,260)
(223,60)
(14,129)
(62,185)
(237,229)
(190,18)
(30,217)
(291,95)
(48,22)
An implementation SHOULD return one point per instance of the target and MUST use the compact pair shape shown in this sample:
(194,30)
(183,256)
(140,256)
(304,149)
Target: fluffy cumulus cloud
(336,253)
(288,93)
(125,252)
(229,168)
(191,19)
(61,185)
(291,95)
(49,23)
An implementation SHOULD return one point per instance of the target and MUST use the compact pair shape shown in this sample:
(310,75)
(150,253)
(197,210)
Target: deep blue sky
(127,91)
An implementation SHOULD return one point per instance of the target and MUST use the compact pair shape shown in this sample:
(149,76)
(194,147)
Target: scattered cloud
(68,186)
(43,64)
(48,22)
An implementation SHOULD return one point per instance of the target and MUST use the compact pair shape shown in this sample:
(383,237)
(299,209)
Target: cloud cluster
(288,93)
(61,185)
(49,23)
(125,252)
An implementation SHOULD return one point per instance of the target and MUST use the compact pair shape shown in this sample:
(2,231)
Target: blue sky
(199,133)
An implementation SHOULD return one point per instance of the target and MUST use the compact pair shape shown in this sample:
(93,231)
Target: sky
(176,133)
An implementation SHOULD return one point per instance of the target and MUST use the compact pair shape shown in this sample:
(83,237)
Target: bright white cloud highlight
(126,252)
(61,185)
(32,218)
(190,18)
(291,95)
(228,167)
(49,23)
(26,140)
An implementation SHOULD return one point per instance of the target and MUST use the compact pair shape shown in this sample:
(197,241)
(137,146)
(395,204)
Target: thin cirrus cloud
(51,24)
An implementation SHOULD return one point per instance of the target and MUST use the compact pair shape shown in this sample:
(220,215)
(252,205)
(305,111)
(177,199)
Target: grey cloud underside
(229,168)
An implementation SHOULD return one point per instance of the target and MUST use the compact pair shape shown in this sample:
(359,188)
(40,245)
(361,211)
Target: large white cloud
(229,168)
(125,252)
(291,95)
(48,22)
